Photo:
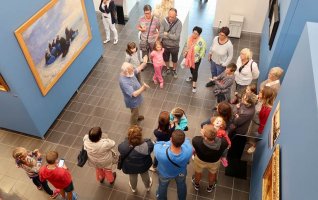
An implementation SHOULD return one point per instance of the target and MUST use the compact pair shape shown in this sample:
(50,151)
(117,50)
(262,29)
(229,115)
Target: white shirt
(246,75)
(107,15)
(222,54)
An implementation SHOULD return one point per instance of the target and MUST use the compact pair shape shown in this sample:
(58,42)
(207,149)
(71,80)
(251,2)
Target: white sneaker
(150,184)
(189,79)
(194,90)
(106,41)
(115,41)
(133,190)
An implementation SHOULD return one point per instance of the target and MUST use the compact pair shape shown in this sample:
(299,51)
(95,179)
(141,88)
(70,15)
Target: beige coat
(99,153)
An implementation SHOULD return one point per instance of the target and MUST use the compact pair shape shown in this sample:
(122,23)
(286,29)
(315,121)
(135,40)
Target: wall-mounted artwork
(3,85)
(273,23)
(53,38)
(270,8)
(275,128)
(271,185)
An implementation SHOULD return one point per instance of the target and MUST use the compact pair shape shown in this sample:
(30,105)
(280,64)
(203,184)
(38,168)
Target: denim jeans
(164,183)
(216,69)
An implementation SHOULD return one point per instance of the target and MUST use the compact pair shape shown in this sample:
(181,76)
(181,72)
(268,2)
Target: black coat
(112,9)
(139,159)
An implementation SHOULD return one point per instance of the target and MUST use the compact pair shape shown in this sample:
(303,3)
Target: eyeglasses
(222,34)
(147,13)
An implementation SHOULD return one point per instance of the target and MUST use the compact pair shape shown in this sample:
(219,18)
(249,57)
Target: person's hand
(185,53)
(165,33)
(235,93)
(209,57)
(145,85)
(228,147)
(236,115)
(143,28)
(145,59)
(238,105)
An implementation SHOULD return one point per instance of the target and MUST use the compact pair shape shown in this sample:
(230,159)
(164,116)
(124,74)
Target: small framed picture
(3,85)
(275,128)
(271,177)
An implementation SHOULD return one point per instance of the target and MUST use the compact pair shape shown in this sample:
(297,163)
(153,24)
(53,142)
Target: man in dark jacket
(208,151)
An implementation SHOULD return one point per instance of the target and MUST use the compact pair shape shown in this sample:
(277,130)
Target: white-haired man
(132,89)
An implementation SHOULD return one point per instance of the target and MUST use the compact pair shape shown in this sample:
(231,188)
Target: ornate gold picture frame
(275,128)
(53,38)
(3,85)
(271,180)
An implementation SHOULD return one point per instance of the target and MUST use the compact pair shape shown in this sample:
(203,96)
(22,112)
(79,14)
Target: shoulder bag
(122,158)
(175,164)
(144,45)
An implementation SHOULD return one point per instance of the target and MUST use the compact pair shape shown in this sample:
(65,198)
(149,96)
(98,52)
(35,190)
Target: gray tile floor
(99,102)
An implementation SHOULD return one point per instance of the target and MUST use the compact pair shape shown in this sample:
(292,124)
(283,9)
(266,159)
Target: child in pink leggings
(158,62)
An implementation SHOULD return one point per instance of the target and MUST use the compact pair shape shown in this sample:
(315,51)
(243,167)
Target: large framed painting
(3,85)
(53,38)
(271,180)
(275,128)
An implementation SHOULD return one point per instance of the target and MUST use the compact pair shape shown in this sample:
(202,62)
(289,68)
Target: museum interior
(51,103)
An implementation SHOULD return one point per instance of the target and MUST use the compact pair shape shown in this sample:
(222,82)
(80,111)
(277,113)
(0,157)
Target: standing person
(148,25)
(208,151)
(31,163)
(132,57)
(246,72)
(108,9)
(99,152)
(221,53)
(173,157)
(157,59)
(162,133)
(136,152)
(273,81)
(195,51)
(132,90)
(59,177)
(170,30)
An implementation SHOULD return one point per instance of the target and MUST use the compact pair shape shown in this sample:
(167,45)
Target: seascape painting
(53,38)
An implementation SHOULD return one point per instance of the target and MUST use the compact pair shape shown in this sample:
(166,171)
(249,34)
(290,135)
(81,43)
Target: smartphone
(61,163)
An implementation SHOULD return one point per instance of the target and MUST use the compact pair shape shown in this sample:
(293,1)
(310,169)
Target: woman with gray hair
(246,72)
(273,79)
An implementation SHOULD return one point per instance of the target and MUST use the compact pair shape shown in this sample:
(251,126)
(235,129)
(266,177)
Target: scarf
(189,62)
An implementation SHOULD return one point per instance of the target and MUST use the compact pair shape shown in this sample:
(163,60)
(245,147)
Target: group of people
(240,112)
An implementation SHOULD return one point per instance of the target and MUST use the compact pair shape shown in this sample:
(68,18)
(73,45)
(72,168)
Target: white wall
(254,12)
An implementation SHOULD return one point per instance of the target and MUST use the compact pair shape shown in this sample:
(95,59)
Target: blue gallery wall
(293,16)
(24,108)
(299,127)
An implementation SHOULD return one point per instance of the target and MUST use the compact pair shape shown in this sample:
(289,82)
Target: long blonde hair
(19,153)
(268,96)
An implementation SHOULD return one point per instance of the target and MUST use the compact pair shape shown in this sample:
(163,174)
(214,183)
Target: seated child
(220,125)
(223,83)
(31,163)
(178,119)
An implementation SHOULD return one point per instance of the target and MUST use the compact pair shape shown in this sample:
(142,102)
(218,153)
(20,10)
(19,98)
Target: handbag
(144,45)
(115,157)
(82,157)
(122,158)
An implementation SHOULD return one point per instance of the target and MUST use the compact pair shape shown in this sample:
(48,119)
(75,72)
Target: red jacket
(59,177)
(263,115)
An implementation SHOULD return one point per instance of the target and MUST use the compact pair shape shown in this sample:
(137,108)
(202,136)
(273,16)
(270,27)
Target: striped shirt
(153,33)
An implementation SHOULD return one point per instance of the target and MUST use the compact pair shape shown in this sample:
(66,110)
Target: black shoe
(196,186)
(210,84)
(102,181)
(210,187)
(140,118)
(114,174)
